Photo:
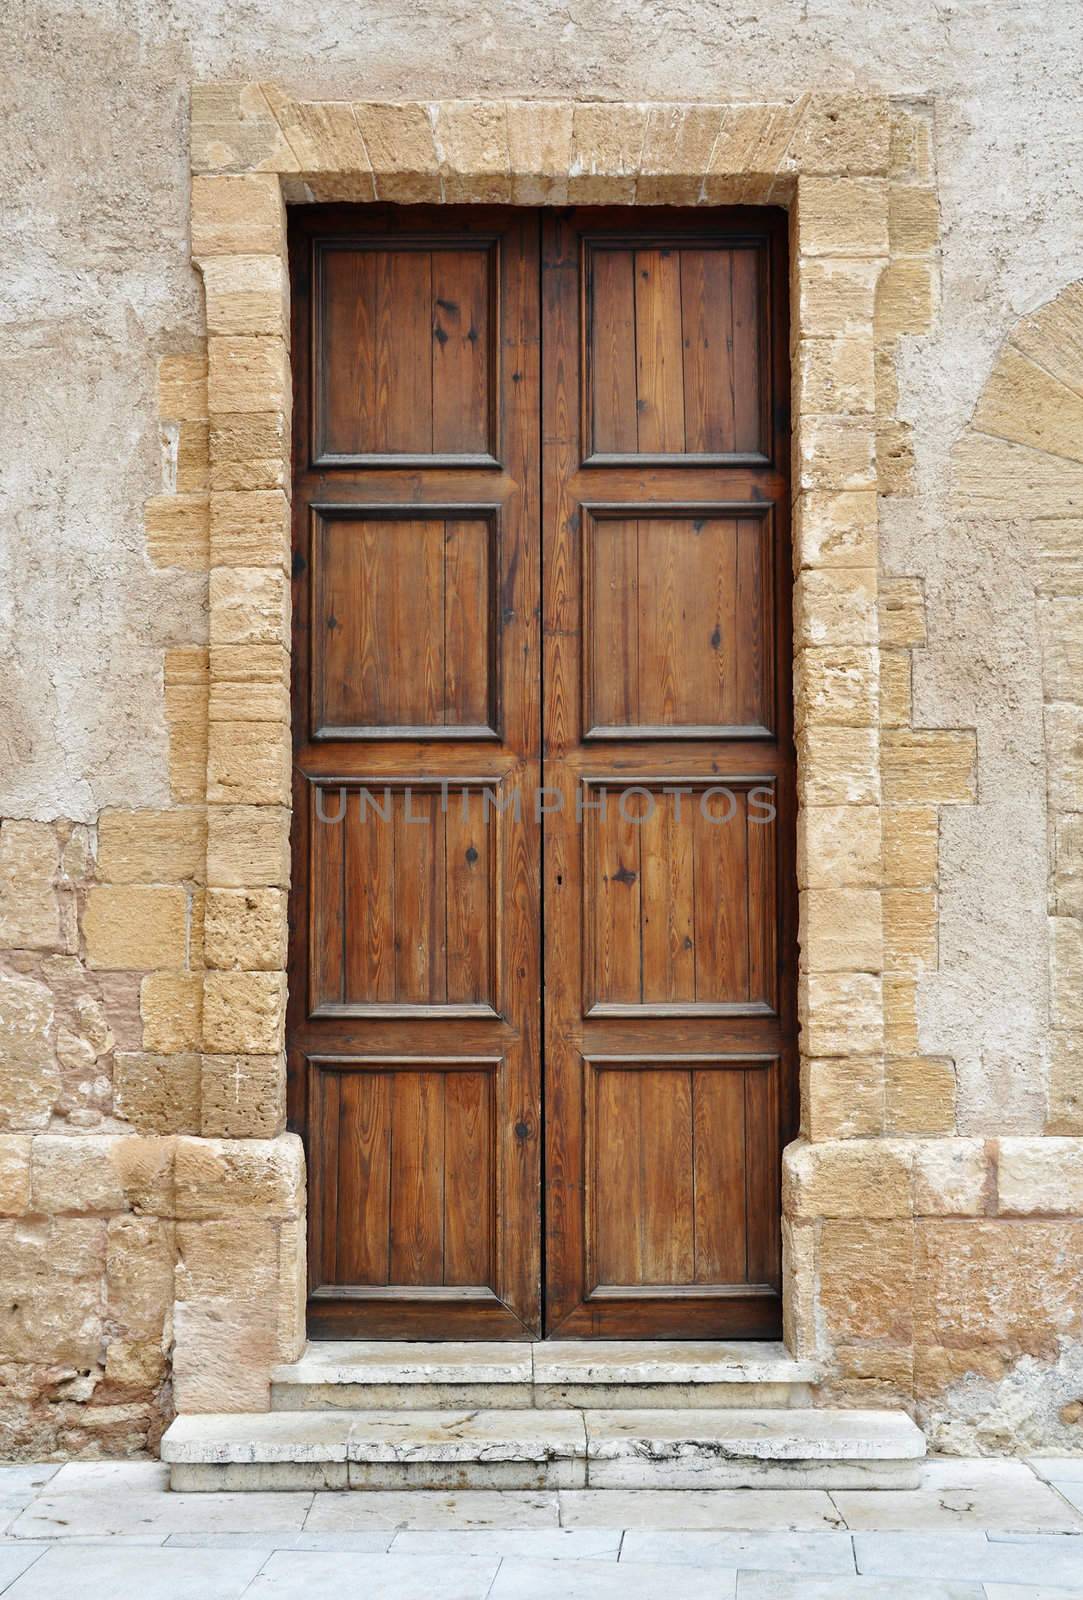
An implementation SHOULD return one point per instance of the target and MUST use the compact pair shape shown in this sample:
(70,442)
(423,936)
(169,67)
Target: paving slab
(15,1559)
(970,1557)
(770,1586)
(772,1552)
(433,1508)
(74,1516)
(780,1510)
(26,1478)
(1014,1507)
(1059,1469)
(110,1477)
(376,1542)
(1028,1591)
(96,1573)
(311,1575)
(548,1544)
(1072,1491)
(974,1472)
(604,1580)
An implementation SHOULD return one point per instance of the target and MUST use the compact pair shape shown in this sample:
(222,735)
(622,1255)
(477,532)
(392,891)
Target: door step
(575,1374)
(545,1449)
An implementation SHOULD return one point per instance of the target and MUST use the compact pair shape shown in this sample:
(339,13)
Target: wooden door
(669,876)
(414,1010)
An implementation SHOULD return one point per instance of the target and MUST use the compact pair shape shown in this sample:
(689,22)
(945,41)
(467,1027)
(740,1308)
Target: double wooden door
(542,991)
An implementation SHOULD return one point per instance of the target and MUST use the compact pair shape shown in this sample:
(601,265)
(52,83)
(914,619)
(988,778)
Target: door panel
(415,981)
(669,907)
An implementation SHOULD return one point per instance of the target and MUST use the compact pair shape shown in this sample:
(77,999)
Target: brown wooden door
(420,695)
(668,881)
(414,1010)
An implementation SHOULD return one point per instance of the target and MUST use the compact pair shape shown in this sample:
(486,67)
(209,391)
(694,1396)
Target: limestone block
(1040,1176)
(401,148)
(910,930)
(919,1095)
(252,1178)
(248,762)
(677,146)
(157,1093)
(233,130)
(836,453)
(866,1276)
(836,374)
(244,1097)
(900,1014)
(913,219)
(139,1275)
(929,766)
(182,387)
(246,929)
(134,1364)
(249,605)
(911,837)
(952,1177)
(838,296)
(14,1174)
(843,1098)
(30,1082)
(847,1178)
(135,926)
(800,1312)
(248,846)
(249,450)
(902,612)
(1064,756)
(247,294)
(177,531)
(50,1290)
(997,478)
(292,1328)
(835,530)
(838,846)
(243,1012)
(250,664)
(186,720)
(840,930)
(837,685)
(247,373)
(171,1005)
(836,606)
(324,136)
(842,217)
(152,846)
(472,143)
(906,298)
(1065,1113)
(887,381)
(995,1281)
(103,1173)
(539,151)
(31,914)
(250,529)
(1060,622)
(752,144)
(895,464)
(841,1014)
(187,445)
(223,1353)
(249,702)
(607,143)
(1066,971)
(838,766)
(842,133)
(226,1258)
(896,701)
(1052,336)
(1025,403)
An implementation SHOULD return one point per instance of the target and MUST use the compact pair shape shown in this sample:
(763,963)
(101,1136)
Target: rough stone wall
(151,1211)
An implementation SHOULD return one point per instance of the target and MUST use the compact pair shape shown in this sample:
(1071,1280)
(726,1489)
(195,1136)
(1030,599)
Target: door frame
(254,151)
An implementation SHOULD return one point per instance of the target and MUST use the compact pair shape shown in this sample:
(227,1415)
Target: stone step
(545,1449)
(555,1374)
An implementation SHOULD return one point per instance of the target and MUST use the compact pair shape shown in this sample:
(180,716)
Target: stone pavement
(976,1530)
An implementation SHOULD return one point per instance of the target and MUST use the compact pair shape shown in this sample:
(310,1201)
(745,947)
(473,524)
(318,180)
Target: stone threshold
(566,1449)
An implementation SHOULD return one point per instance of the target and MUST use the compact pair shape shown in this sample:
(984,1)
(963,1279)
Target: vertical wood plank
(707,321)
(747,360)
(617,1192)
(615,621)
(468,854)
(348,415)
(413,622)
(669,957)
(420,907)
(327,891)
(720,1156)
(364,1177)
(617,903)
(750,699)
(665,1143)
(659,363)
(325,1216)
(461,351)
(762,907)
(417,1178)
(466,622)
(615,428)
(404,322)
(763,1154)
(468,1178)
(370,898)
(721,869)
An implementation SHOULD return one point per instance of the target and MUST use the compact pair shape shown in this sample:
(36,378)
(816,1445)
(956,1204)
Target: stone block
(223,1353)
(841,930)
(186,721)
(913,220)
(401,149)
(866,1276)
(678,143)
(152,846)
(247,372)
(837,685)
(250,664)
(246,929)
(50,1291)
(996,1282)
(607,143)
(906,298)
(226,1259)
(235,216)
(919,1095)
(139,1276)
(929,766)
(135,926)
(842,133)
(157,1093)
(250,1178)
(911,837)
(911,929)
(902,612)
(836,606)
(1040,1177)
(233,130)
(838,766)
(187,457)
(250,702)
(837,296)
(249,763)
(900,1014)
(952,1177)
(838,846)
(835,530)
(249,605)
(249,451)
(32,915)
(841,1014)
(842,217)
(836,453)
(182,387)
(292,1327)
(250,529)
(999,479)
(171,1005)
(1060,622)
(1065,1106)
(14,1174)
(1064,756)
(539,151)
(836,375)
(896,700)
(243,1012)
(858,1178)
(102,1173)
(247,294)
(1066,971)
(895,463)
(472,143)
(1028,405)
(325,138)
(248,846)
(244,1097)
(177,531)
(843,1098)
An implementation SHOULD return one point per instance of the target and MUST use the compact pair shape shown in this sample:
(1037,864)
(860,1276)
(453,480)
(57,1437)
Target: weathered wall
(104,671)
